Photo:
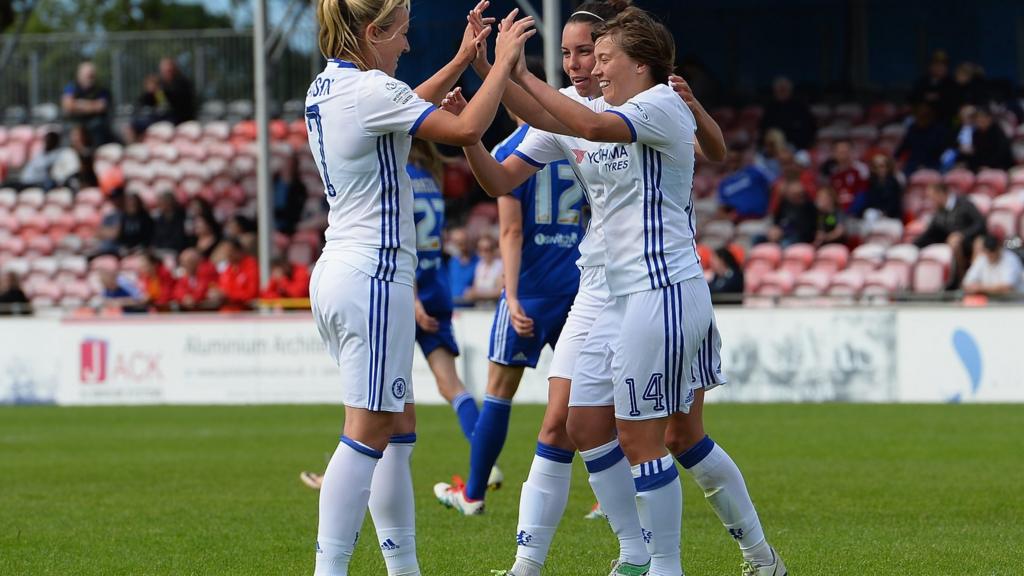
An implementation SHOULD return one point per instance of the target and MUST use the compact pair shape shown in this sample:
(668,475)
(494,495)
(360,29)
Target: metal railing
(219,63)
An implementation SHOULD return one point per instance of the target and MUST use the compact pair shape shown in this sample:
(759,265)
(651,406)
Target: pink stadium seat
(812,283)
(930,277)
(831,257)
(1005,214)
(849,282)
(137,152)
(749,229)
(867,257)
(15,245)
(112,153)
(8,223)
(89,197)
(777,283)
(960,180)
(40,244)
(894,133)
(797,258)
(981,201)
(1017,176)
(190,130)
(44,265)
(718,232)
(160,132)
(997,180)
(76,265)
(22,133)
(33,197)
(8,198)
(883,282)
(766,252)
(885,231)
(61,197)
(925,177)
(904,254)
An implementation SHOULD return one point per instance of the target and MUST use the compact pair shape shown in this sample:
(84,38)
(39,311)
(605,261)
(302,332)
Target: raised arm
(710,141)
(580,120)
(467,128)
(520,102)
(497,179)
(434,88)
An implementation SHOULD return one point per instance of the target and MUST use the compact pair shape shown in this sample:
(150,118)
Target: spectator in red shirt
(849,178)
(287,280)
(156,281)
(195,277)
(239,282)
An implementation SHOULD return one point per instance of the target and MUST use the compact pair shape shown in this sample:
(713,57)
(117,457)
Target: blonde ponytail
(342,23)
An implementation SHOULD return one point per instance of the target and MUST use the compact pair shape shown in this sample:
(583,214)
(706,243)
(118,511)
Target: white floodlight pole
(264,214)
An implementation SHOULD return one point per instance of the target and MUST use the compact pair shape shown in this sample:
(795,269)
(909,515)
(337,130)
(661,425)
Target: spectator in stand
(243,229)
(287,280)
(109,232)
(239,282)
(848,177)
(957,222)
(82,145)
(925,142)
(461,265)
(884,193)
(195,276)
(207,235)
(989,147)
(747,188)
(791,116)
(169,225)
(178,90)
(830,226)
(38,171)
(12,298)
(289,196)
(136,224)
(119,291)
(194,209)
(727,273)
(936,88)
(796,219)
(995,271)
(488,278)
(88,105)
(771,154)
(968,86)
(156,281)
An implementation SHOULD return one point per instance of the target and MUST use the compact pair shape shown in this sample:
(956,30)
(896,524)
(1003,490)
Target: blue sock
(486,444)
(467,412)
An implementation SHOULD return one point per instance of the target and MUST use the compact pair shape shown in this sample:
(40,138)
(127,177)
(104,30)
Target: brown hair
(643,39)
(342,23)
(425,155)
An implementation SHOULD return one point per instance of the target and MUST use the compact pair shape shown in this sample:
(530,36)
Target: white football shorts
(369,328)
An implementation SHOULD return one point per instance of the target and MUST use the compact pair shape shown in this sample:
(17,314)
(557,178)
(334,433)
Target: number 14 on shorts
(654,392)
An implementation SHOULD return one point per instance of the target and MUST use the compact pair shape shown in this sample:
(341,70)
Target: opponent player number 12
(360,122)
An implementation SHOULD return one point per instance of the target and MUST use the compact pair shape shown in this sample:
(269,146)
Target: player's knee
(449,388)
(553,431)
(679,442)
(503,381)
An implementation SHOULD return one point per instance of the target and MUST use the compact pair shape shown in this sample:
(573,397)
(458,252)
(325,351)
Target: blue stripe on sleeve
(632,130)
(527,159)
(423,116)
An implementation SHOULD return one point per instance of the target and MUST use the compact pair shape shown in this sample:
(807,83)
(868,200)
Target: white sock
(393,507)
(542,503)
(612,481)
(343,498)
(659,498)
(720,479)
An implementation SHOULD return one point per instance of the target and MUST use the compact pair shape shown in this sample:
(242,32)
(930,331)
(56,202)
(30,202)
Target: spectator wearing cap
(790,115)
(194,278)
(795,219)
(956,221)
(746,189)
(996,271)
(88,104)
(884,192)
(988,146)
(12,298)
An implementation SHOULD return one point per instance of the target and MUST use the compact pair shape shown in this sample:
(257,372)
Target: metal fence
(220,63)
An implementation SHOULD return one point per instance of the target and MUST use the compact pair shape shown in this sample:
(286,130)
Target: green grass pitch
(841,489)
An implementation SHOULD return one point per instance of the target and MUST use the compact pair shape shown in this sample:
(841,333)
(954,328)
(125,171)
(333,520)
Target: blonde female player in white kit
(659,323)
(361,121)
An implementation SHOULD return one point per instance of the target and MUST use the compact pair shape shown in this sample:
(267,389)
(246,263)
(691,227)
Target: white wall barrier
(929,354)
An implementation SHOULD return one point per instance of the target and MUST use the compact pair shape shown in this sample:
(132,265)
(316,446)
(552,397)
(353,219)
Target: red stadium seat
(777,283)
(867,257)
(1005,215)
(765,252)
(33,197)
(959,180)
(847,283)
(997,180)
(812,283)
(718,232)
(8,198)
(831,257)
(191,131)
(925,177)
(931,274)
(901,260)
(885,232)
(797,258)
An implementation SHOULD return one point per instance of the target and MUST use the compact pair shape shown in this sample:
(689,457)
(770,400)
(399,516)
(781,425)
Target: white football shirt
(540,148)
(648,186)
(360,126)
